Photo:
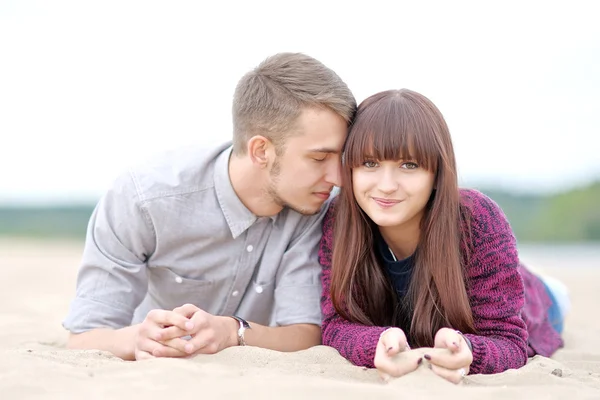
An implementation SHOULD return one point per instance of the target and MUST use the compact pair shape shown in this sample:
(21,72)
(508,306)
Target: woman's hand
(452,365)
(393,357)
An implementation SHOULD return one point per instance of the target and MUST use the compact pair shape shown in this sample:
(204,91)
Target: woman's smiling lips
(385,203)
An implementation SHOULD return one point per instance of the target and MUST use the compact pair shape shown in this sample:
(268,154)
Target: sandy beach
(39,280)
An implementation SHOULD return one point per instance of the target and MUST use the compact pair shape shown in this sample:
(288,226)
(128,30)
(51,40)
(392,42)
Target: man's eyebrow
(325,150)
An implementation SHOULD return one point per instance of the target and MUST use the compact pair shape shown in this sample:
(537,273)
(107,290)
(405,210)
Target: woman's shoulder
(329,219)
(491,243)
(481,213)
(326,243)
(331,210)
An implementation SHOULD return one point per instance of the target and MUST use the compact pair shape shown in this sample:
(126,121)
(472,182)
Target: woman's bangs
(390,132)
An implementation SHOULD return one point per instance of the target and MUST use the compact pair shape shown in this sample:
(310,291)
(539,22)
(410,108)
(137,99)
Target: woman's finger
(394,341)
(450,360)
(451,375)
(449,339)
(400,364)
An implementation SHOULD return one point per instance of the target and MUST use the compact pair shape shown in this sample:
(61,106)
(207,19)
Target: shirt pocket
(170,290)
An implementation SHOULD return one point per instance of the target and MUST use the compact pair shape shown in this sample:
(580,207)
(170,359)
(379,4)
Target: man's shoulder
(177,171)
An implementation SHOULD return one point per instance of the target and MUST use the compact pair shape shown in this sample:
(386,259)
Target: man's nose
(334,173)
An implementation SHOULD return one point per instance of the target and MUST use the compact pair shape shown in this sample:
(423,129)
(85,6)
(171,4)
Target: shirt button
(250,248)
(259,289)
(178,279)
(235,293)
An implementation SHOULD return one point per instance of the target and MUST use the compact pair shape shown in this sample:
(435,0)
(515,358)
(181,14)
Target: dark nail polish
(419,361)
(427,357)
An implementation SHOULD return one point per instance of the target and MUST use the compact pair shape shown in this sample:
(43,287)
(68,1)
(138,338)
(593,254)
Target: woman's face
(392,193)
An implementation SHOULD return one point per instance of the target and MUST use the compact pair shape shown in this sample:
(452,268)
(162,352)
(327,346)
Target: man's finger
(150,349)
(204,342)
(185,347)
(186,310)
(171,332)
(143,355)
(165,318)
(166,351)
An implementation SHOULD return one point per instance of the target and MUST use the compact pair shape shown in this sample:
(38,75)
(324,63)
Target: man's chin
(304,210)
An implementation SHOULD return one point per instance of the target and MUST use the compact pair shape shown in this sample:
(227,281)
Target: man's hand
(155,335)
(451,365)
(209,333)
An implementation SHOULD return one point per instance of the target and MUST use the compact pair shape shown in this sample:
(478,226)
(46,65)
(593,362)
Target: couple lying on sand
(247,243)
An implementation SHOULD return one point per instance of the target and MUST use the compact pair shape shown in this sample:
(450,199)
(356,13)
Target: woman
(412,261)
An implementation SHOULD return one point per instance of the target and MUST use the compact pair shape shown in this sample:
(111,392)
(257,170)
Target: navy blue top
(399,272)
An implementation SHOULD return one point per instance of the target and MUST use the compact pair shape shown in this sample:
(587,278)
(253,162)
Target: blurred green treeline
(571,216)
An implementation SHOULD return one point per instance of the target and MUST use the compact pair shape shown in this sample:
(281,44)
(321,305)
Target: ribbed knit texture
(509,303)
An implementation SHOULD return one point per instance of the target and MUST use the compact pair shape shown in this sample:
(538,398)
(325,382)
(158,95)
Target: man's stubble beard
(273,193)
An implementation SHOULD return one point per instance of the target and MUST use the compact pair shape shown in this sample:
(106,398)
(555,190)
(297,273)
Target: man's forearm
(120,342)
(283,338)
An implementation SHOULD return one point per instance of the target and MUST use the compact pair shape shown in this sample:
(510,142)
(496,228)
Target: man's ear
(260,151)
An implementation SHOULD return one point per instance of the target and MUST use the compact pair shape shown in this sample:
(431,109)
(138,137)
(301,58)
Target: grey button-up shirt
(173,232)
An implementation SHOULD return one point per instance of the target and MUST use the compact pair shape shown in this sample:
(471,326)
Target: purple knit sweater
(509,303)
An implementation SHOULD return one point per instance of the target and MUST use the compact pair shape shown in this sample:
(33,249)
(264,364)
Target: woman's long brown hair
(395,125)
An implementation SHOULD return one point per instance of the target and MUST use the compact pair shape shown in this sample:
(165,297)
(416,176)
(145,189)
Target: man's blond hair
(269,99)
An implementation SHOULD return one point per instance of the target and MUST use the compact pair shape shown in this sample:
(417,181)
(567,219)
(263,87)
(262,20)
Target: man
(201,250)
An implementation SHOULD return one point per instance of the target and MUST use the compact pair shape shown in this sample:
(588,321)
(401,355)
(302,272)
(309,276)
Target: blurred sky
(88,88)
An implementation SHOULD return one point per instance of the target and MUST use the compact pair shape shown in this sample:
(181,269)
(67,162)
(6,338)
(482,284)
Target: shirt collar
(238,217)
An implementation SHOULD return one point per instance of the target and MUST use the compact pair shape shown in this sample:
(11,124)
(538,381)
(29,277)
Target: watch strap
(241,330)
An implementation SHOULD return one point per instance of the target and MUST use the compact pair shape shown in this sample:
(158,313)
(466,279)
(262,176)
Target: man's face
(303,177)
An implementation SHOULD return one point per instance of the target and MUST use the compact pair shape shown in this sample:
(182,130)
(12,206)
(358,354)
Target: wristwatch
(243,326)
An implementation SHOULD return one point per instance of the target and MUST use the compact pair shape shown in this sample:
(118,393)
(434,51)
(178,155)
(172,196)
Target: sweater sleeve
(496,290)
(355,342)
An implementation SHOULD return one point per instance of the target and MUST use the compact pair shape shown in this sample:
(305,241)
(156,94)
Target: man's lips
(386,203)
(323,195)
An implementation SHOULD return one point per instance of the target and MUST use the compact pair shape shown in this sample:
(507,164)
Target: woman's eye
(370,164)
(410,165)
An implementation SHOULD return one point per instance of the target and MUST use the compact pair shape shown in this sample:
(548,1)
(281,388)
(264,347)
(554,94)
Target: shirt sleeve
(496,292)
(112,279)
(298,286)
(355,342)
